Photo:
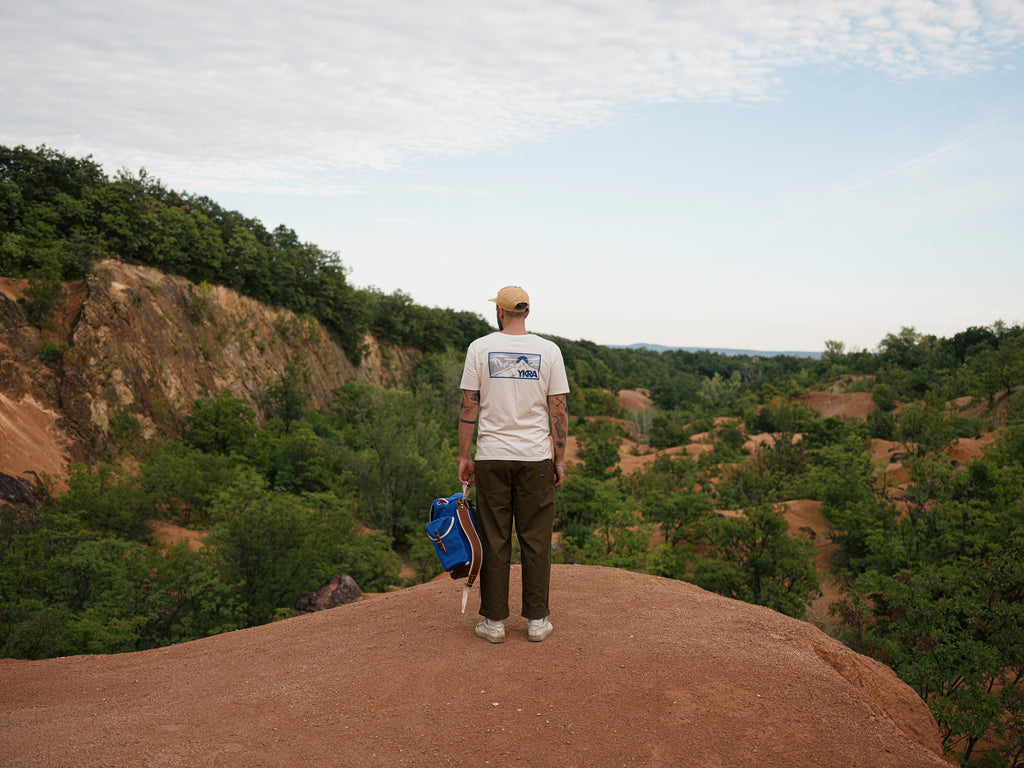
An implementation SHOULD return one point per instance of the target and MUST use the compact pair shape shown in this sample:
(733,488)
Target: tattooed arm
(467,425)
(558,411)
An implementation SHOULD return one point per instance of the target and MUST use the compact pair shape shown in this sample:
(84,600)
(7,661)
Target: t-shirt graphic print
(514,365)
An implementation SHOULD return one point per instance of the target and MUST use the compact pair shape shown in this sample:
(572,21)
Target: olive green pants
(523,493)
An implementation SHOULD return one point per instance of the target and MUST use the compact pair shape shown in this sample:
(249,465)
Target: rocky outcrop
(16,490)
(133,347)
(338,590)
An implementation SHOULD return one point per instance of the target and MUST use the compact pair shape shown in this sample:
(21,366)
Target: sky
(745,174)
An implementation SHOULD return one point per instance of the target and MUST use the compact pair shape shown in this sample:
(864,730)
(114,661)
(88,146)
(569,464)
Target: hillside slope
(137,342)
(640,671)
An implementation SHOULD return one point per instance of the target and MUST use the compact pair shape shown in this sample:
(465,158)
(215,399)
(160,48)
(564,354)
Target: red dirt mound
(640,671)
(635,399)
(843,404)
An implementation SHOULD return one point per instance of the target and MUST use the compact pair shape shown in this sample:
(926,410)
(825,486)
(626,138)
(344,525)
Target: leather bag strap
(466,521)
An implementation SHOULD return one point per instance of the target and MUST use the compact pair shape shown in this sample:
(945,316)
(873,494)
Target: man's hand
(467,471)
(559,475)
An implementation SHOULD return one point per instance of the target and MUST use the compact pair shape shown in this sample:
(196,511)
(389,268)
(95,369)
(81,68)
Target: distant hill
(717,350)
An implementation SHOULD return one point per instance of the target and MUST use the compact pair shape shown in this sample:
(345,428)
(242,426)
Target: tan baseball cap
(512,298)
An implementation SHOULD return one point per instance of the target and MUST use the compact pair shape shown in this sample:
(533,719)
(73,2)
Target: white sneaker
(490,632)
(538,629)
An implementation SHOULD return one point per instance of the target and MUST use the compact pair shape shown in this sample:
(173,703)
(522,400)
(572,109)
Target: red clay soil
(634,399)
(169,534)
(31,440)
(843,404)
(640,671)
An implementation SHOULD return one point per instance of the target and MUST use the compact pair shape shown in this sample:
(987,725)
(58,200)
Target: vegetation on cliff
(930,569)
(59,215)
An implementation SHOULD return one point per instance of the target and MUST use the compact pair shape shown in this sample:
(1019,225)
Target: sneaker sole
(491,638)
(540,636)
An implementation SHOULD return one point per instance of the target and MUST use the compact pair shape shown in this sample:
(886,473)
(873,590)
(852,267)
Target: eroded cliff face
(132,341)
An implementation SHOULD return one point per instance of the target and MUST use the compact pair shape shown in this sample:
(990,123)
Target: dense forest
(931,574)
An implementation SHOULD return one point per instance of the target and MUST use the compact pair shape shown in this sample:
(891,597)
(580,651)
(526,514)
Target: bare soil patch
(31,441)
(169,534)
(843,404)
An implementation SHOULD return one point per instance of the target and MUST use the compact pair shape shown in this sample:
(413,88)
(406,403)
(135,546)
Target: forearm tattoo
(470,406)
(560,424)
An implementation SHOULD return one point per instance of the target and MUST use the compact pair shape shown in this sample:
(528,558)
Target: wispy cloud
(244,91)
(851,188)
(899,168)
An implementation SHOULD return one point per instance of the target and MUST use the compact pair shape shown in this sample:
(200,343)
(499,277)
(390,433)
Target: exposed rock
(133,341)
(16,491)
(338,590)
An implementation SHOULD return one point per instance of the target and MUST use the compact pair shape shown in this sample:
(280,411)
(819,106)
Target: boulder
(338,590)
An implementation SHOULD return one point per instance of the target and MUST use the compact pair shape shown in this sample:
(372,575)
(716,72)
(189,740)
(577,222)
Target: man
(514,382)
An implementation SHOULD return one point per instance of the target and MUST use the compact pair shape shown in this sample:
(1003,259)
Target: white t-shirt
(514,374)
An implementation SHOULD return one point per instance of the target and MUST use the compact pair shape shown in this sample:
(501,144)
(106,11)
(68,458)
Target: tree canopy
(59,215)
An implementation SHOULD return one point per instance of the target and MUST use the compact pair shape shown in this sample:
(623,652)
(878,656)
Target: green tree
(669,429)
(285,398)
(394,455)
(841,475)
(265,547)
(65,589)
(728,441)
(622,540)
(365,555)
(753,558)
(44,288)
(221,424)
(435,383)
(590,402)
(598,442)
(672,492)
(999,369)
(717,393)
(582,503)
(924,427)
(954,631)
(186,598)
(105,498)
(936,595)
(302,459)
(31,541)
(178,482)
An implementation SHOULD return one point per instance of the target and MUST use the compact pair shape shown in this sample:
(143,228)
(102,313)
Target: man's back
(514,375)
